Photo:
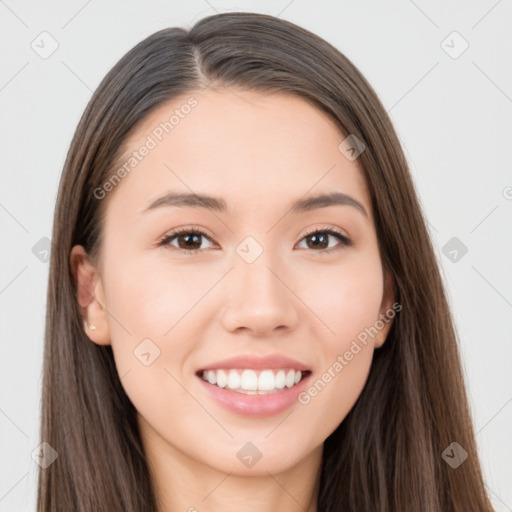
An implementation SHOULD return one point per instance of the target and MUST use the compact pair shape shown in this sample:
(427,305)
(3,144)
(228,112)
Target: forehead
(257,150)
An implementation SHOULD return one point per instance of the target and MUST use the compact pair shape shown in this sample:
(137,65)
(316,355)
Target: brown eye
(189,240)
(319,239)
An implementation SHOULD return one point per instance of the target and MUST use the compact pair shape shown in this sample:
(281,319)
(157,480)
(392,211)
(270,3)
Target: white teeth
(248,381)
(266,381)
(280,379)
(222,379)
(233,380)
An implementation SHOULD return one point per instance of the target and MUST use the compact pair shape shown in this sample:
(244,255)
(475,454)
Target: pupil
(194,237)
(316,237)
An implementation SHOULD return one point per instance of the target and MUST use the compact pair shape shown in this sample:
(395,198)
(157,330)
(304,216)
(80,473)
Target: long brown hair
(387,453)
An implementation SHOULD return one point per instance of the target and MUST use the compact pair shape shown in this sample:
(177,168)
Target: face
(249,276)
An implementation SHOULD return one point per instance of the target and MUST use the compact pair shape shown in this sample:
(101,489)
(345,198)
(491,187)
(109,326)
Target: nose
(259,299)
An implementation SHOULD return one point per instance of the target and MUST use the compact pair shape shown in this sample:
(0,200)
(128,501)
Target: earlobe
(90,296)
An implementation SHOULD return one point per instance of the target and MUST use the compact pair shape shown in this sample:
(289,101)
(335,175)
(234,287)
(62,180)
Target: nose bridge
(259,280)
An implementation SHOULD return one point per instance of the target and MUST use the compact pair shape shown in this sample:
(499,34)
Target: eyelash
(344,241)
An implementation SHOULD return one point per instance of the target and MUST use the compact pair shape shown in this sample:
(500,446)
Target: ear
(386,312)
(90,296)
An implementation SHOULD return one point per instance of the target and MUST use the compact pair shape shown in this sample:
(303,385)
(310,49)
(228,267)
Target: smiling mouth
(254,382)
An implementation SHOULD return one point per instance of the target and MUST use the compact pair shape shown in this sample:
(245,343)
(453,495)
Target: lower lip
(256,406)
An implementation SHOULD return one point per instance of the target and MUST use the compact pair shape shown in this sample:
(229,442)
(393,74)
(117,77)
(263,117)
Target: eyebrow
(219,204)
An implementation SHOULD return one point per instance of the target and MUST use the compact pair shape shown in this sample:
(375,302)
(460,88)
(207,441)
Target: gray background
(452,113)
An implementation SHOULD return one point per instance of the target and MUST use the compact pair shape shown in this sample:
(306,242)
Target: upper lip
(257,363)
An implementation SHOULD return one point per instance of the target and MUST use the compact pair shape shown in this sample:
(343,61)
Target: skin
(259,152)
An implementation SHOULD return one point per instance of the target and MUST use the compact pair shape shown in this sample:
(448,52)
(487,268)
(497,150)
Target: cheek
(346,298)
(155,307)
(152,298)
(151,308)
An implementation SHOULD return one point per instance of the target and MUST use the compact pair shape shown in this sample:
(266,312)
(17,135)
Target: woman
(304,358)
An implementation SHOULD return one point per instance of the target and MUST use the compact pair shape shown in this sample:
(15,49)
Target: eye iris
(188,237)
(315,237)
